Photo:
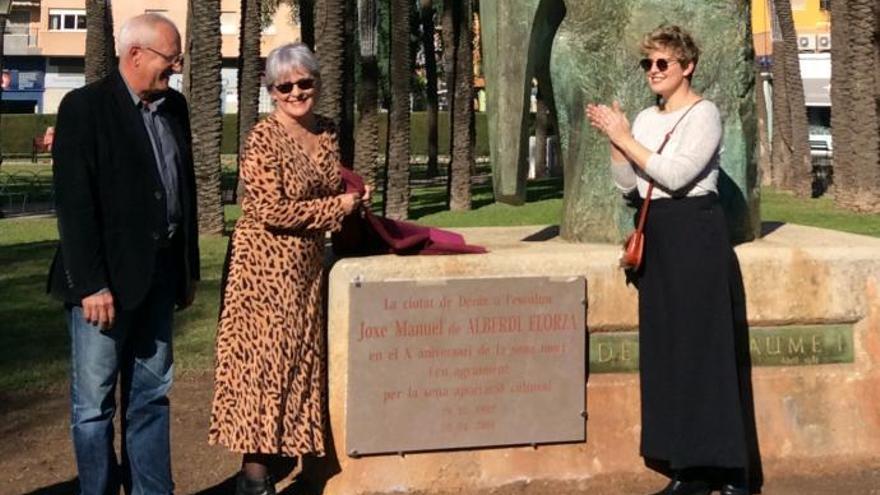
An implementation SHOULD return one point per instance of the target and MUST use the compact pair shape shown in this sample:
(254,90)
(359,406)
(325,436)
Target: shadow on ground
(64,488)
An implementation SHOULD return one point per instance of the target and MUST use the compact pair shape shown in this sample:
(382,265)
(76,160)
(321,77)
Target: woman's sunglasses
(302,84)
(662,64)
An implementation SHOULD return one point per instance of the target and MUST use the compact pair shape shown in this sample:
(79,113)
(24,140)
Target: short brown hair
(673,38)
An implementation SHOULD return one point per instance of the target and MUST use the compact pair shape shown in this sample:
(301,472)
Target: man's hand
(98,309)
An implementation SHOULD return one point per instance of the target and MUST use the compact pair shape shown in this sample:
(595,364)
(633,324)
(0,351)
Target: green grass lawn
(783,207)
(33,336)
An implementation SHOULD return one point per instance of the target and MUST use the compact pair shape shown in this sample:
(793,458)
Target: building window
(825,5)
(67,20)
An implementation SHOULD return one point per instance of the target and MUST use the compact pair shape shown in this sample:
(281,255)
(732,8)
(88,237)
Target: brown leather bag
(634,246)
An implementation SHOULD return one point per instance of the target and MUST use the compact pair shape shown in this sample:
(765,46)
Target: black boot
(735,483)
(729,489)
(690,487)
(247,486)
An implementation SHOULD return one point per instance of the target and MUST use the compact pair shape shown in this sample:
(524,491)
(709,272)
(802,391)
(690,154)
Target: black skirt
(691,323)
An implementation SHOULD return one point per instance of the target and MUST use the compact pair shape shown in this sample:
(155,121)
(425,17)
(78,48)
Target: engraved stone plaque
(463,363)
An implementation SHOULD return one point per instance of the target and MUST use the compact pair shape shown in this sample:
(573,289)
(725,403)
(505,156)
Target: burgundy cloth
(370,234)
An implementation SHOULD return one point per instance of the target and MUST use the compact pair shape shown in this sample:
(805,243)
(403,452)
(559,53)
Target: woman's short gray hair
(286,58)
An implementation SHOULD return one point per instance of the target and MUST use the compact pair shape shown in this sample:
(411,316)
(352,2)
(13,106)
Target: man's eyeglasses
(303,84)
(662,64)
(171,59)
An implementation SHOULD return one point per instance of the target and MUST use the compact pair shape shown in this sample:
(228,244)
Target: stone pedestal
(808,415)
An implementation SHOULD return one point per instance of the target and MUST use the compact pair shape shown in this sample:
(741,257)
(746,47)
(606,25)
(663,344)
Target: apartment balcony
(21,42)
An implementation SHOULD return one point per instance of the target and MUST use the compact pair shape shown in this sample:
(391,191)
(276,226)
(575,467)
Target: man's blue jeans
(137,349)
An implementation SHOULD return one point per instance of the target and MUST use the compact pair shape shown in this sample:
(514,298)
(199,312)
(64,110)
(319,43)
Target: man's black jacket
(109,197)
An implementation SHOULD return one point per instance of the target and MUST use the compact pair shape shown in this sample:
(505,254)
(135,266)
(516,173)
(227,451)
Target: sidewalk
(36,456)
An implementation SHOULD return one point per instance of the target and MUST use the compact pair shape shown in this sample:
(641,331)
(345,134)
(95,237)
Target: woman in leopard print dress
(268,383)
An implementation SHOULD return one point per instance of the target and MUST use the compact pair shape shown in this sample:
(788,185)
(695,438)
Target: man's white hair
(141,31)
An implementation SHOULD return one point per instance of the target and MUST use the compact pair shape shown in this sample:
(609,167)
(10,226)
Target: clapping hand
(610,121)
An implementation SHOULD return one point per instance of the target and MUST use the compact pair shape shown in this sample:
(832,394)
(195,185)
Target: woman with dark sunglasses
(269,375)
(697,416)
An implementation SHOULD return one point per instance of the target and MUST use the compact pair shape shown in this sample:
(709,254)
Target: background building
(44,47)
(812,22)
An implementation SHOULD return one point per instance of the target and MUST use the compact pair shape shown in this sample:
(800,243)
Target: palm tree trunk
(547,96)
(367,142)
(462,161)
(397,158)
(2,37)
(542,124)
(203,89)
(330,49)
(100,47)
(448,26)
(307,22)
(427,18)
(349,89)
(856,141)
(249,67)
(331,40)
(791,151)
(842,130)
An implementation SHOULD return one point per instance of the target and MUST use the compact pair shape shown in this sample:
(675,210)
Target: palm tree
(427,30)
(462,113)
(332,46)
(397,159)
(100,47)
(202,86)
(367,142)
(546,120)
(2,37)
(249,67)
(792,168)
(349,88)
(842,129)
(855,124)
(306,21)
(447,29)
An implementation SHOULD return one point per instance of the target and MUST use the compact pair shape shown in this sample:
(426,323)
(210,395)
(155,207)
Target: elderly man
(125,193)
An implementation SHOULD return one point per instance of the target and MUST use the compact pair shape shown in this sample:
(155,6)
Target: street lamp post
(5,5)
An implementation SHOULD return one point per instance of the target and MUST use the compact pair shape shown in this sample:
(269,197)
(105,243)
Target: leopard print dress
(269,375)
